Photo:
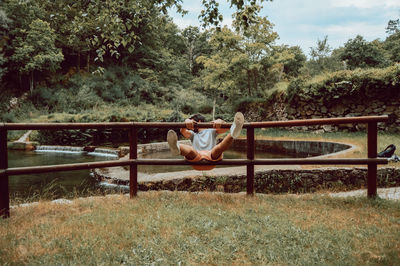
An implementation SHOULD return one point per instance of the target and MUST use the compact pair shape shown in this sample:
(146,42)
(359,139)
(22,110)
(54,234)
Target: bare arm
(217,126)
(189,125)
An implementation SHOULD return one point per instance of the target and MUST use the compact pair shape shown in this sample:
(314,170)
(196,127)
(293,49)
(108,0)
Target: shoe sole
(172,139)
(239,121)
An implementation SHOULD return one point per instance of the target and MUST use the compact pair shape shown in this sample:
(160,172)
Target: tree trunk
(20,80)
(248,81)
(88,61)
(256,79)
(191,59)
(31,87)
(214,104)
(281,72)
(79,62)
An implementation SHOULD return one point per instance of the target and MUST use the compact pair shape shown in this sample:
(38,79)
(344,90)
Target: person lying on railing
(204,140)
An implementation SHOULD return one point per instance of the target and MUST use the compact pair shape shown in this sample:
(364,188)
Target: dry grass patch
(203,228)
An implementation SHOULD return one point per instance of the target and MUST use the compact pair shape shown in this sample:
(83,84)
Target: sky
(304,22)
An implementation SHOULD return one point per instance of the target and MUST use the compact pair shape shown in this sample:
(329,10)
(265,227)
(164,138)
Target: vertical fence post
(372,153)
(133,184)
(250,156)
(4,193)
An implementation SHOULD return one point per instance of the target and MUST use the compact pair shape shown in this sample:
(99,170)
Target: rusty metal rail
(372,161)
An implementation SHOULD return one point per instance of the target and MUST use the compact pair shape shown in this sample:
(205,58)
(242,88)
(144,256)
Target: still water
(229,154)
(60,183)
(79,181)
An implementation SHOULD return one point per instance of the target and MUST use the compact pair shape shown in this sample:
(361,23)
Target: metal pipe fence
(372,161)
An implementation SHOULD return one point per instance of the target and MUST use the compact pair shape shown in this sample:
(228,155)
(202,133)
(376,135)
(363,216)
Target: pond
(60,183)
(229,154)
(79,181)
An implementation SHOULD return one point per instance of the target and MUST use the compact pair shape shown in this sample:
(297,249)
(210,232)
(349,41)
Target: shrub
(190,101)
(8,117)
(242,105)
(108,113)
(373,83)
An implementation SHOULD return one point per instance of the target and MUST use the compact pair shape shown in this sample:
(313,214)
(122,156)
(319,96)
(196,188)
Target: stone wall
(282,181)
(279,109)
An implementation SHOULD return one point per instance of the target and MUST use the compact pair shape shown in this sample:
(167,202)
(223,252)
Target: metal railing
(372,161)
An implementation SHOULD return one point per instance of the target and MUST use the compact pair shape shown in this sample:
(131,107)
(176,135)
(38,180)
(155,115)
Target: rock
(61,201)
(327,128)
(338,109)
(391,108)
(89,148)
(319,131)
(359,108)
(361,127)
(379,110)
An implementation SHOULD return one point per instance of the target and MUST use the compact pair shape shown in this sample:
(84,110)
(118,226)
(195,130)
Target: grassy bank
(173,228)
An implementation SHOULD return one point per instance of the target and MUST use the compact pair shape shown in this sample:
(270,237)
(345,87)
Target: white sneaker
(237,125)
(172,139)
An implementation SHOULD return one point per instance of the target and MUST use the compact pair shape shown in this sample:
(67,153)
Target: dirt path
(392,193)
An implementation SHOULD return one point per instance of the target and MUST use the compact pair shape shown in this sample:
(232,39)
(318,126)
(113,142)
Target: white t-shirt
(204,140)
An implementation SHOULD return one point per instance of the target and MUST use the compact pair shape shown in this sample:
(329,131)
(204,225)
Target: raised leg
(235,130)
(221,147)
(188,151)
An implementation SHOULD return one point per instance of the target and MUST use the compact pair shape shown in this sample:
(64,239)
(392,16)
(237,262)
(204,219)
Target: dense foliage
(371,83)
(73,57)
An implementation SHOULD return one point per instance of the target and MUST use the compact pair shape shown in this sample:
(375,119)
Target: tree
(246,12)
(323,59)
(256,47)
(289,60)
(74,26)
(218,75)
(320,56)
(392,46)
(393,26)
(359,53)
(36,52)
(4,22)
(196,43)
(392,42)
(240,62)
(131,34)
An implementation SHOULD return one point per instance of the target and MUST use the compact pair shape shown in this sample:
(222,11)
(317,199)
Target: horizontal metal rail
(238,162)
(133,161)
(290,123)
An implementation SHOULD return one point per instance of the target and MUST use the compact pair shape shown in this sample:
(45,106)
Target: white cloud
(366,3)
(352,29)
(338,35)
(192,6)
(304,22)
(183,22)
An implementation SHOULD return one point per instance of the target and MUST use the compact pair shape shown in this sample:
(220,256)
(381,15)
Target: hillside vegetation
(88,61)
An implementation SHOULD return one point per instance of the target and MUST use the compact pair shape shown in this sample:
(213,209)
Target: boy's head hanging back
(198,118)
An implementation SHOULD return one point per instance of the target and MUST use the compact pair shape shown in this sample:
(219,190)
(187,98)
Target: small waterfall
(104,152)
(77,150)
(114,186)
(63,149)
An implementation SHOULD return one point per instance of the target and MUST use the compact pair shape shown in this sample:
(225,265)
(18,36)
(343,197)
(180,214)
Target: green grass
(279,88)
(163,228)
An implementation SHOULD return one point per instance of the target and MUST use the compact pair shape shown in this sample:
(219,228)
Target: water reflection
(78,181)
(58,183)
